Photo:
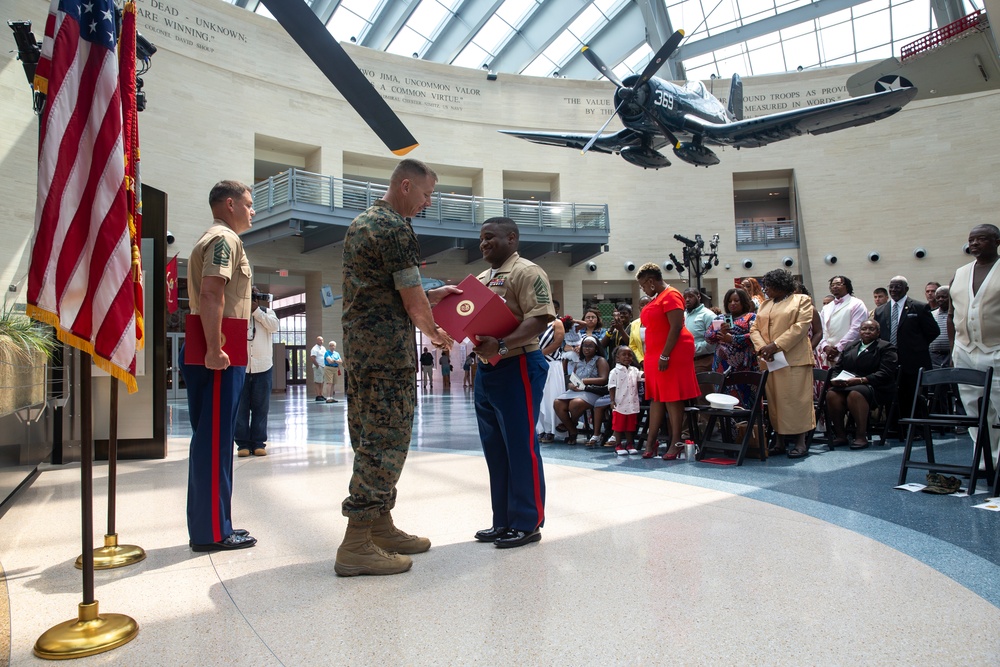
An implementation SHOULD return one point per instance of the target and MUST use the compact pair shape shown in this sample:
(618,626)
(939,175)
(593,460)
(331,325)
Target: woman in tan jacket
(782,325)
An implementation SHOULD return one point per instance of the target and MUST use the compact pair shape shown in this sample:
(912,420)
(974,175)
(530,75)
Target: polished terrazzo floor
(643,562)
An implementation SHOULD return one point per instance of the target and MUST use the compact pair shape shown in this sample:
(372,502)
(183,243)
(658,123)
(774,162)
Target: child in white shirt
(623,387)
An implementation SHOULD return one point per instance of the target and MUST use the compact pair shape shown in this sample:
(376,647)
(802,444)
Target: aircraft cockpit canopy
(697,88)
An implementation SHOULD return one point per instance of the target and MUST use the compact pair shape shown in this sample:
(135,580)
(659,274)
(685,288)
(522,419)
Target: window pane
(837,41)
(492,34)
(768,59)
(910,19)
(872,30)
(345,24)
(472,56)
(407,42)
(801,52)
(584,24)
(427,18)
(564,45)
(540,66)
(514,11)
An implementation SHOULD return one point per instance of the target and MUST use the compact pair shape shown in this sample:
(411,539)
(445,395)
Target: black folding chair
(929,381)
(819,408)
(752,414)
(691,411)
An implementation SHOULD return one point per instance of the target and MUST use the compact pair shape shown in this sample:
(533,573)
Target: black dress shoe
(232,542)
(517,538)
(490,534)
(242,532)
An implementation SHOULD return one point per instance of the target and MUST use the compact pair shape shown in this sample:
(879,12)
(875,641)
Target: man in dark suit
(909,325)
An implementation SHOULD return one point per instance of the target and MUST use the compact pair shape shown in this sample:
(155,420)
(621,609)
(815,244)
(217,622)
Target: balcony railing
(302,187)
(759,235)
(976,19)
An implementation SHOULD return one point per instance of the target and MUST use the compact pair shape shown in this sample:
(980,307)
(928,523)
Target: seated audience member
(593,326)
(730,333)
(623,385)
(592,371)
(871,364)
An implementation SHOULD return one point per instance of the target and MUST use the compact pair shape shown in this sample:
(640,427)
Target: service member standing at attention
(508,394)
(383,300)
(255,398)
(219,284)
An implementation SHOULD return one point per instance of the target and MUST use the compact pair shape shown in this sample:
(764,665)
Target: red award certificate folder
(234,341)
(476,311)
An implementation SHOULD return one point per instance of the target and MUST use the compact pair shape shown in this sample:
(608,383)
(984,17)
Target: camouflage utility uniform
(381,257)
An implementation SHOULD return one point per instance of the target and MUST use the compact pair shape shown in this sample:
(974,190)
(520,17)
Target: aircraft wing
(818,119)
(612,143)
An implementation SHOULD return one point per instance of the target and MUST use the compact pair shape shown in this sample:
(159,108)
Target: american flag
(80,278)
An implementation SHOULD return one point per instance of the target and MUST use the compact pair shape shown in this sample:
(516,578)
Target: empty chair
(927,382)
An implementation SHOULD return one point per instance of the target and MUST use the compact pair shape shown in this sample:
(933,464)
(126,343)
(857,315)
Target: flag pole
(90,633)
(112,554)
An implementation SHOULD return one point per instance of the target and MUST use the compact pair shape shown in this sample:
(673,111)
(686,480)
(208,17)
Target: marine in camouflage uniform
(383,300)
(381,256)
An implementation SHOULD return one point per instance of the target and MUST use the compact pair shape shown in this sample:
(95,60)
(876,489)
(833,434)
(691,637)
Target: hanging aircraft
(302,24)
(656,113)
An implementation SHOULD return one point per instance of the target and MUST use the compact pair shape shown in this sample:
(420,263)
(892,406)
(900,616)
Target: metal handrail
(755,234)
(296,186)
(942,34)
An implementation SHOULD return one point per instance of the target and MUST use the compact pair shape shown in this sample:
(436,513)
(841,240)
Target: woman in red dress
(669,360)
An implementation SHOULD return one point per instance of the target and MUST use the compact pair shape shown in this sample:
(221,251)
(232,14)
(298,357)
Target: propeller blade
(601,67)
(663,128)
(597,136)
(661,56)
(311,35)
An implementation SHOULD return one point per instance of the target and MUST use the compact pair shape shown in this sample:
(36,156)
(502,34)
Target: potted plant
(25,345)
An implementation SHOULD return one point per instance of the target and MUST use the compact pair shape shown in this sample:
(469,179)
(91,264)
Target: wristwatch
(501,347)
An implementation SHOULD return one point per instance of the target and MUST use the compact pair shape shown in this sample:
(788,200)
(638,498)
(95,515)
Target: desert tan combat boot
(386,535)
(359,555)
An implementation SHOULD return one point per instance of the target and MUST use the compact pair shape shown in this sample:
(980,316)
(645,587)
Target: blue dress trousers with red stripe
(507,399)
(212,397)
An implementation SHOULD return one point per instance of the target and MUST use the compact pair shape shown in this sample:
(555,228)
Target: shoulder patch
(541,290)
(221,253)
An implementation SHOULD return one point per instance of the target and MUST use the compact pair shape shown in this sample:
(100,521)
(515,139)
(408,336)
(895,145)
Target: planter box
(22,381)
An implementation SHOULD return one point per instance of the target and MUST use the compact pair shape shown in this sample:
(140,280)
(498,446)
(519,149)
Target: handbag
(753,444)
(599,389)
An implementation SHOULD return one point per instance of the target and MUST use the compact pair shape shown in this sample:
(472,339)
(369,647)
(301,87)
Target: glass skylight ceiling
(873,30)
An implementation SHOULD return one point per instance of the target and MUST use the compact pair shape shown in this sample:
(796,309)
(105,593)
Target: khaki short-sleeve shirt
(219,252)
(524,286)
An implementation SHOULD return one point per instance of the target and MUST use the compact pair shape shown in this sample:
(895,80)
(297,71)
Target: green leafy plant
(22,337)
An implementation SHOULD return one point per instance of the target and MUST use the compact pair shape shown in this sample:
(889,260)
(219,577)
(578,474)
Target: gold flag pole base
(90,634)
(113,555)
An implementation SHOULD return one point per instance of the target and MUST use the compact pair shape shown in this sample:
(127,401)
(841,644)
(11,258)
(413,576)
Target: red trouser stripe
(216,498)
(530,411)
